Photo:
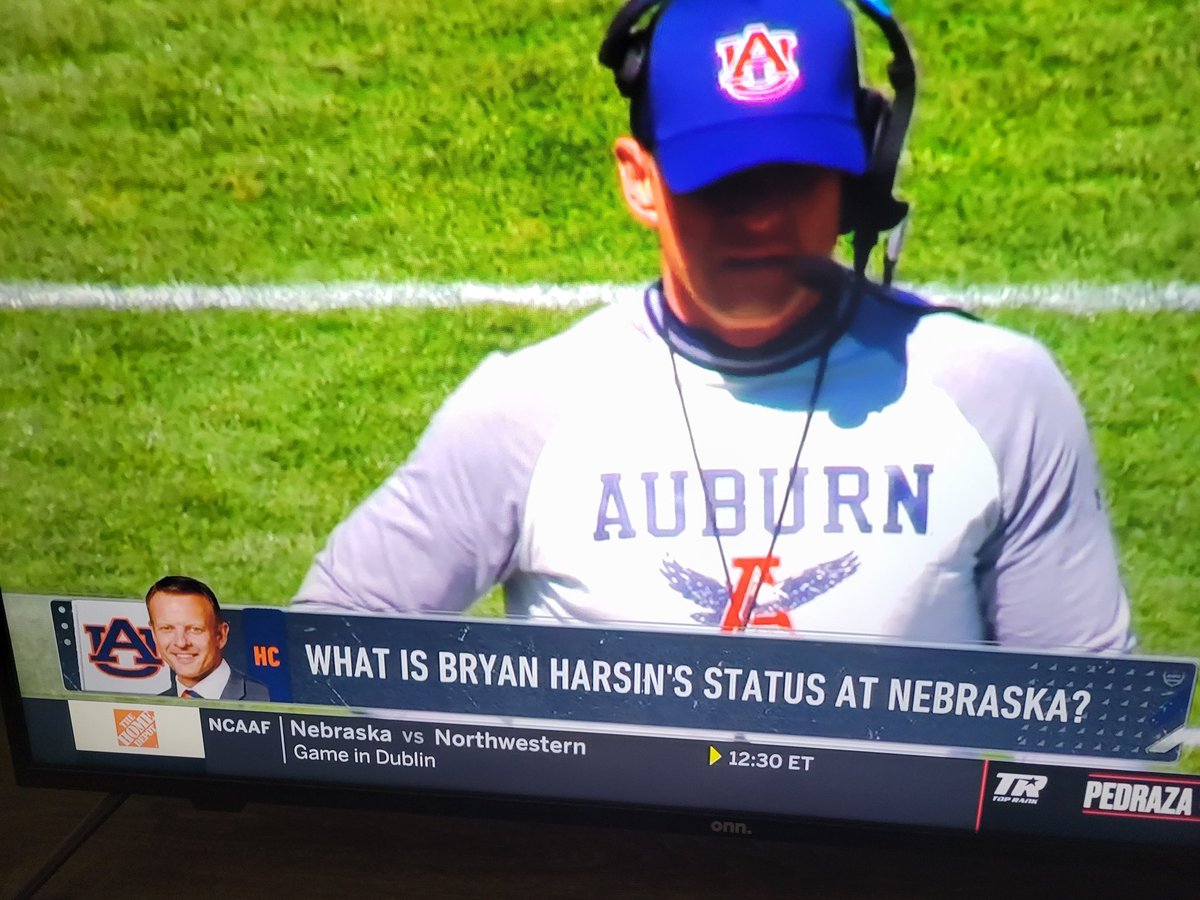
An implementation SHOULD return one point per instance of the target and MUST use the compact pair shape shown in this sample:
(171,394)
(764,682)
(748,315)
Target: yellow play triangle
(714,756)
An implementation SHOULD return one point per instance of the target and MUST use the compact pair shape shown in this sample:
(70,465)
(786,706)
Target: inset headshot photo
(191,634)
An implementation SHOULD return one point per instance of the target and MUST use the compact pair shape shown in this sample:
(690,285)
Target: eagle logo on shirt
(775,600)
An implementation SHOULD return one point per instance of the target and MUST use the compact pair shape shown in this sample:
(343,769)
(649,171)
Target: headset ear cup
(867,201)
(625,44)
(870,108)
(873,114)
(849,215)
(630,70)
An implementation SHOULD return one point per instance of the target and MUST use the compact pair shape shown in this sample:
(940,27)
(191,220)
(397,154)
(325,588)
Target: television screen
(351,446)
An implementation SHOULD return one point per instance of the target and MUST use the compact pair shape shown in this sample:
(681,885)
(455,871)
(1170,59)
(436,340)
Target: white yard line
(1067,296)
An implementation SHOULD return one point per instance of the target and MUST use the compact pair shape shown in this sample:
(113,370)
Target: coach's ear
(638,173)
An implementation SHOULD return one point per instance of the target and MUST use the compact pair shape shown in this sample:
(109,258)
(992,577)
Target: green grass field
(237,141)
(248,141)
(147,141)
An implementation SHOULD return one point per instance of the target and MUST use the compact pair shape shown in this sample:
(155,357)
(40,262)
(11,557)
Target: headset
(869,206)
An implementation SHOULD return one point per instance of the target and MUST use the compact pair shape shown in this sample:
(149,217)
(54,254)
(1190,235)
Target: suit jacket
(239,687)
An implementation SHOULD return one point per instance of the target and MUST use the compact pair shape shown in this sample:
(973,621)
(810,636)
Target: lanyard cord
(818,380)
(835,330)
(708,504)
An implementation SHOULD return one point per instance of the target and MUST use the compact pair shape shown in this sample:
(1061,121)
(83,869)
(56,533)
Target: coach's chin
(191,635)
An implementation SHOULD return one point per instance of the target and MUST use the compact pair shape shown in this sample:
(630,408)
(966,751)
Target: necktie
(191,695)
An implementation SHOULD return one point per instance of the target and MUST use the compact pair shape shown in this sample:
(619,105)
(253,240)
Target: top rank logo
(758,65)
(1014,787)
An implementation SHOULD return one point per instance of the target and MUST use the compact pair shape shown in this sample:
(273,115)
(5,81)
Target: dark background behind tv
(165,846)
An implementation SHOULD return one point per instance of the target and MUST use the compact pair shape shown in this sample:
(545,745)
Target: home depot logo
(136,728)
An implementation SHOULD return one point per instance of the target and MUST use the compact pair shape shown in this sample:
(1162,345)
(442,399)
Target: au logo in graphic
(136,728)
(122,649)
(758,65)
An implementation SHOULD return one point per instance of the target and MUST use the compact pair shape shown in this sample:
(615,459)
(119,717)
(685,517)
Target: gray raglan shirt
(947,490)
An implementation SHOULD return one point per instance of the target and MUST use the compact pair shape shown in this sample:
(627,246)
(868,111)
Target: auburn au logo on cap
(759,65)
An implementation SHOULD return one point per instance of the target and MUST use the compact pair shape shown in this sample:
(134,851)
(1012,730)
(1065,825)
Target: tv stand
(84,830)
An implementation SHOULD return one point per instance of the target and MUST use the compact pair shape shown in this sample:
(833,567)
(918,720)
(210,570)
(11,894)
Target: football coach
(765,439)
(191,634)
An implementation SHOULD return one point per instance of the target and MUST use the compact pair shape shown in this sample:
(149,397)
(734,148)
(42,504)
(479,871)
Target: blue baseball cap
(734,84)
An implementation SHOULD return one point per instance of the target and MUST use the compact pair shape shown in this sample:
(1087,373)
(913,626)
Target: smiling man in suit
(191,635)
